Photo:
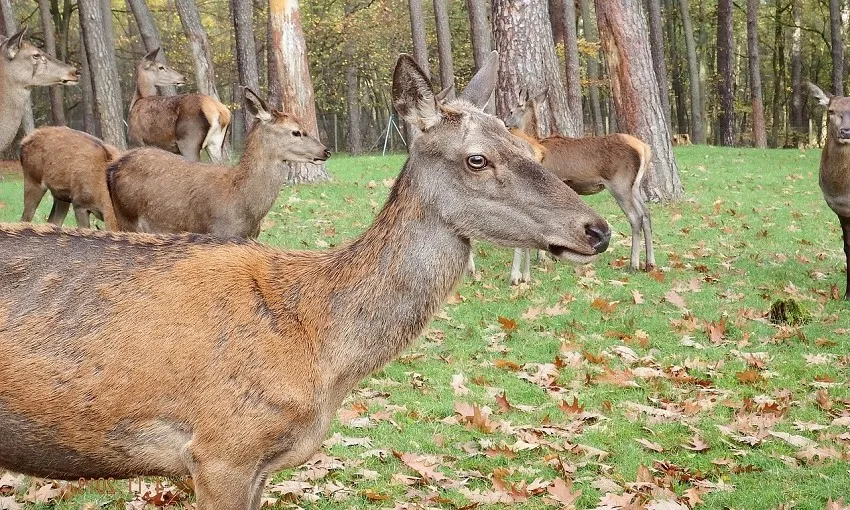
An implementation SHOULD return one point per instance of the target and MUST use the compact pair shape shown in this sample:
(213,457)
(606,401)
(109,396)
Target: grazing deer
(183,124)
(22,66)
(158,192)
(134,354)
(835,165)
(72,165)
(616,162)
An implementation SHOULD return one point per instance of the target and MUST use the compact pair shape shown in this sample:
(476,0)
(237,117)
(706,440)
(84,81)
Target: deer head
(28,66)
(152,72)
(838,109)
(488,184)
(283,133)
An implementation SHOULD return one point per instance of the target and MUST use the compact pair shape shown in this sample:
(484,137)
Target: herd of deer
(129,353)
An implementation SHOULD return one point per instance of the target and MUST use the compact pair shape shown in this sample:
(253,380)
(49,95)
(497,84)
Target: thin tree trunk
(352,90)
(56,94)
(778,78)
(241,12)
(837,47)
(797,94)
(697,121)
(523,36)
(104,71)
(592,68)
(573,64)
(656,37)
(444,45)
(89,120)
(11,27)
(190,18)
(481,43)
(150,36)
(725,78)
(635,91)
(417,30)
(293,74)
(676,71)
(759,133)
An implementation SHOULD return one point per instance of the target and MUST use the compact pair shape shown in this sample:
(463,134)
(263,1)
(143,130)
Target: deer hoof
(649,268)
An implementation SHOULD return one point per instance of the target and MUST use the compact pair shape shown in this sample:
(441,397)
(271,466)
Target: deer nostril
(327,153)
(844,133)
(598,237)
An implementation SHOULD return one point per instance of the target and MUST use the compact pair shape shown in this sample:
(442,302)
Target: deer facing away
(155,191)
(183,124)
(834,176)
(616,162)
(255,347)
(22,66)
(72,165)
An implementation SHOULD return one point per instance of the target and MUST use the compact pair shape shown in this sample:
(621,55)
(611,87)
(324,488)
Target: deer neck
(13,100)
(835,165)
(259,175)
(145,87)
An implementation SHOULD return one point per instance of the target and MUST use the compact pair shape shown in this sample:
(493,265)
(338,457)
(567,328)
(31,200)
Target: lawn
(590,386)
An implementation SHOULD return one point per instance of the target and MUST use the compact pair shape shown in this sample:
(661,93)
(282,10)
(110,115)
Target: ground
(590,387)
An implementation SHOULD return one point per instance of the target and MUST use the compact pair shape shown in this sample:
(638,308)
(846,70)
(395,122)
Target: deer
(158,192)
(183,124)
(23,66)
(834,174)
(72,166)
(253,348)
(616,162)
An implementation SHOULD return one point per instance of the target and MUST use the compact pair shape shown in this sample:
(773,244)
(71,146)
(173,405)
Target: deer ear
(258,108)
(820,95)
(12,45)
(412,95)
(443,94)
(481,86)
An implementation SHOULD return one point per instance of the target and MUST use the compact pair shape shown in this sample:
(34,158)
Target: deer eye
(476,162)
(296,133)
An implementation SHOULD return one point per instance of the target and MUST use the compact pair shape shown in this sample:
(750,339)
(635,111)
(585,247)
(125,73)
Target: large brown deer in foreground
(616,162)
(835,165)
(72,165)
(158,192)
(183,124)
(131,354)
(23,66)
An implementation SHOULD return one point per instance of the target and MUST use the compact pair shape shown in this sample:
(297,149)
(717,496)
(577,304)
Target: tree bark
(635,91)
(89,119)
(190,18)
(797,94)
(150,36)
(656,38)
(352,91)
(678,85)
(293,76)
(417,30)
(523,37)
(778,77)
(11,27)
(56,94)
(591,36)
(837,47)
(573,64)
(444,45)
(759,132)
(104,72)
(241,12)
(725,78)
(697,120)
(481,44)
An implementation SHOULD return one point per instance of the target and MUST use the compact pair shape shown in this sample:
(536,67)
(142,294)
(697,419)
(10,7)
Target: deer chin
(565,253)
(70,81)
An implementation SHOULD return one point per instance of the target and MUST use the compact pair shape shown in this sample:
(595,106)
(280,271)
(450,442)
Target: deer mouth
(70,81)
(563,252)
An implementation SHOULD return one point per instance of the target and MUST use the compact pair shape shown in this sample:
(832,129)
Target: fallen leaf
(649,445)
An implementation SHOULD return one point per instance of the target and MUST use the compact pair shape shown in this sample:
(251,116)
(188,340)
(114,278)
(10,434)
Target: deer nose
(844,133)
(327,153)
(598,236)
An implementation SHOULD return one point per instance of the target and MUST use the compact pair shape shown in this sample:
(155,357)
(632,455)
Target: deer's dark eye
(162,68)
(476,162)
(296,133)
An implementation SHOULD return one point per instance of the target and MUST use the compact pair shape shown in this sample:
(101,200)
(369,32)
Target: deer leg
(646,223)
(845,230)
(190,148)
(58,212)
(470,263)
(222,487)
(33,193)
(82,215)
(516,277)
(526,268)
(623,195)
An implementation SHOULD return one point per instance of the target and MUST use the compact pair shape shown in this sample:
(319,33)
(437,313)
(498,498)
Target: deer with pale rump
(184,124)
(157,192)
(23,66)
(616,162)
(255,347)
(72,166)
(834,177)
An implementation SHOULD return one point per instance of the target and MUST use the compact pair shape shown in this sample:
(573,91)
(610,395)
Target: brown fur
(72,165)
(138,354)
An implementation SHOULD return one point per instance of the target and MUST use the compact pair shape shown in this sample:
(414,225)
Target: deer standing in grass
(835,166)
(72,165)
(158,192)
(133,354)
(616,162)
(23,66)
(183,124)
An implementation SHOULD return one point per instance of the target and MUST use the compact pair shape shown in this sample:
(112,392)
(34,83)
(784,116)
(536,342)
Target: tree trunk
(150,36)
(798,98)
(444,45)
(89,120)
(56,94)
(104,72)
(635,91)
(293,76)
(656,37)
(573,64)
(837,47)
(725,71)
(241,12)
(417,30)
(697,121)
(481,45)
(592,68)
(190,18)
(11,27)
(352,90)
(759,133)
(676,71)
(778,78)
(523,36)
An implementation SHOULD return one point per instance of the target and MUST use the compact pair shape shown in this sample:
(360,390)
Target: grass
(753,228)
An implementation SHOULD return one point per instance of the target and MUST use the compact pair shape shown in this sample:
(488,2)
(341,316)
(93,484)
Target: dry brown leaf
(574,408)
(508,325)
(562,492)
(697,444)
(459,385)
(749,376)
(427,469)
(637,297)
(649,445)
(675,299)
(794,440)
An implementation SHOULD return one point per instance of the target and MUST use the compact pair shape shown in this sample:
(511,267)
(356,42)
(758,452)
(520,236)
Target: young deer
(72,165)
(158,192)
(616,162)
(835,166)
(134,354)
(22,66)
(183,124)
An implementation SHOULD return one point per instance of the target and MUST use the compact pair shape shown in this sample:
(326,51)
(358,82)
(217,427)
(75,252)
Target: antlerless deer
(255,347)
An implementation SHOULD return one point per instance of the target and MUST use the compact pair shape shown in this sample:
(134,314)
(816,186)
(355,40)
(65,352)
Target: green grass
(753,228)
